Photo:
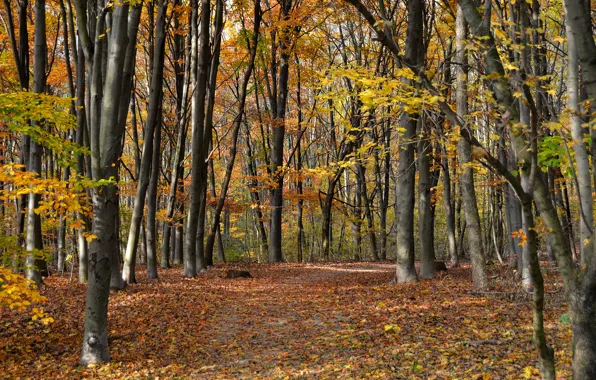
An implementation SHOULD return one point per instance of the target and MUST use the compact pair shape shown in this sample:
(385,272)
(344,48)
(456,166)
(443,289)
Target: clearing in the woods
(341,320)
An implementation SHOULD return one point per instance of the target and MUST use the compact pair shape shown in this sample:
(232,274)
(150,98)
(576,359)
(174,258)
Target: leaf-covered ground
(294,321)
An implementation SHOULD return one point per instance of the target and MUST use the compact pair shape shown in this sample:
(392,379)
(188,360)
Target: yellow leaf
(528,372)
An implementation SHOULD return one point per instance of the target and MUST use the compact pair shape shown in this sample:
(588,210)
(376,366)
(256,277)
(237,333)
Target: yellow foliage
(18,293)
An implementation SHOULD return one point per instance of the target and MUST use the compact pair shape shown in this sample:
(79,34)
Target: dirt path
(288,321)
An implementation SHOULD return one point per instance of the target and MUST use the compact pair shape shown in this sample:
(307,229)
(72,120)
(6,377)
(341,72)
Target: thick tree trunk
(583,177)
(414,56)
(105,155)
(199,72)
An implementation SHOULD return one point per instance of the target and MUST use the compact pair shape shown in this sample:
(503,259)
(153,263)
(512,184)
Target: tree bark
(199,71)
(151,123)
(474,233)
(414,56)
(105,154)
(34,263)
(152,206)
(427,259)
(277,153)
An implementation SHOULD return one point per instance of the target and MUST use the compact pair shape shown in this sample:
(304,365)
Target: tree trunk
(367,210)
(152,207)
(449,204)
(427,259)
(414,55)
(582,177)
(468,192)
(199,73)
(277,153)
(105,156)
(34,263)
(155,99)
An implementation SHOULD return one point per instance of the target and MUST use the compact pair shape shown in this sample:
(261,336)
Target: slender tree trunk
(237,124)
(34,263)
(449,205)
(367,210)
(277,153)
(427,259)
(254,194)
(182,88)
(151,124)
(203,252)
(468,192)
(152,207)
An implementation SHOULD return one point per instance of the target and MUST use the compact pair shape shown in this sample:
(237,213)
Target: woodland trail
(291,321)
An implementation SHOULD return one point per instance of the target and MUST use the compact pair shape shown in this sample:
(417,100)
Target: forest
(392,189)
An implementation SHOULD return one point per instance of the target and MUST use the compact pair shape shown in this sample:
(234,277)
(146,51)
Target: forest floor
(341,320)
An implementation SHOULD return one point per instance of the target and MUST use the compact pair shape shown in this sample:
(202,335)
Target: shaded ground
(293,321)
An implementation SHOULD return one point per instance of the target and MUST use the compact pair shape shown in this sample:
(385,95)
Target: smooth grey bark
(405,244)
(583,177)
(583,298)
(468,193)
(105,136)
(200,54)
(425,217)
(34,264)
(151,123)
(152,206)
(199,71)
(524,259)
(82,247)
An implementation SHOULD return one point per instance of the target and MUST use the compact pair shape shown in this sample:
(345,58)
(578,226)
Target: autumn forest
(392,189)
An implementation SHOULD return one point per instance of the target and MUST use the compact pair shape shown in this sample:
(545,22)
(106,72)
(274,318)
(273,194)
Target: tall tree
(34,245)
(470,203)
(151,125)
(106,139)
